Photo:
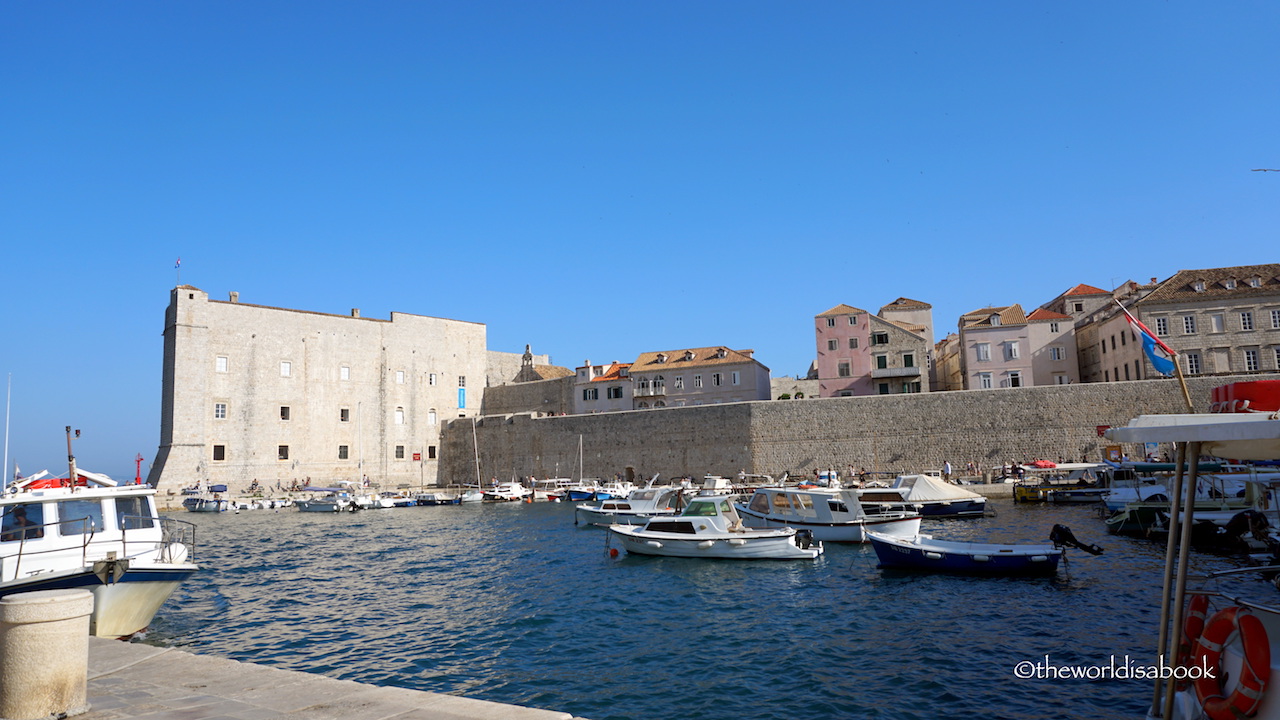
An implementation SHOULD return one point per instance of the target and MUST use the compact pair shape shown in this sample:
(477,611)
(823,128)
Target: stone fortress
(288,396)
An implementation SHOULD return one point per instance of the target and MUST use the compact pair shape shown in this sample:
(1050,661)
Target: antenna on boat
(71,459)
(4,481)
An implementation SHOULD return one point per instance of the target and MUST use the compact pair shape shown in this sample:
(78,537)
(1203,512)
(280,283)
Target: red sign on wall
(1102,429)
(417,456)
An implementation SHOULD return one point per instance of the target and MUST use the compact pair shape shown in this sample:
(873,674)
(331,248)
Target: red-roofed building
(602,388)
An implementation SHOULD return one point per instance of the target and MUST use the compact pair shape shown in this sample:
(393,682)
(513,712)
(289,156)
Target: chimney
(235,296)
(590,372)
(1154,281)
(355,312)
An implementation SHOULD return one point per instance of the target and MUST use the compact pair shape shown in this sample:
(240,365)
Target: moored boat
(87,531)
(710,528)
(635,509)
(924,552)
(1226,644)
(507,492)
(935,497)
(830,515)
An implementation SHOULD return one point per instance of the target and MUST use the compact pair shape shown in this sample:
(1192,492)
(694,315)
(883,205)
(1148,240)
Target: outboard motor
(1061,536)
(804,539)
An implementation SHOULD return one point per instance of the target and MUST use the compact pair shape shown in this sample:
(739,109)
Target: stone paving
(130,680)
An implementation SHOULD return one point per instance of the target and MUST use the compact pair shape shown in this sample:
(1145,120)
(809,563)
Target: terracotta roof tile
(691,357)
(1182,286)
(842,310)
(904,303)
(1040,314)
(1086,290)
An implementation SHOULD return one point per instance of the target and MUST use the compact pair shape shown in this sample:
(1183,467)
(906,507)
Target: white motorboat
(95,534)
(507,492)
(211,500)
(1227,643)
(327,500)
(710,528)
(830,515)
(937,498)
(635,509)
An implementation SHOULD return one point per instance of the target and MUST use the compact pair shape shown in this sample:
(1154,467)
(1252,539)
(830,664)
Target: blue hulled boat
(923,552)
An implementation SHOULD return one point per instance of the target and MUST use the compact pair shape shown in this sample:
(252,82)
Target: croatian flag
(177,264)
(1160,355)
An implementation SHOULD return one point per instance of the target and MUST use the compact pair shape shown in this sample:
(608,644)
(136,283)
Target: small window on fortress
(342,452)
(344,372)
(399,452)
(431,452)
(431,378)
(344,415)
(219,452)
(285,368)
(462,381)
(399,416)
(221,364)
(284,412)
(431,416)
(219,411)
(399,377)
(282,452)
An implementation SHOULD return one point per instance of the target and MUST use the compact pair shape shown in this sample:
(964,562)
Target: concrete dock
(131,680)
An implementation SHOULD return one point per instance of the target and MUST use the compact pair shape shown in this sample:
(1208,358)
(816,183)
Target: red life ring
(1254,674)
(1192,626)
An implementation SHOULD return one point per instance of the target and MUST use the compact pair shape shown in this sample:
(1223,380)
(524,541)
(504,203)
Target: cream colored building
(697,376)
(279,395)
(1220,320)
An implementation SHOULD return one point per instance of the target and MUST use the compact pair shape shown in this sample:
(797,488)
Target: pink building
(859,353)
(995,348)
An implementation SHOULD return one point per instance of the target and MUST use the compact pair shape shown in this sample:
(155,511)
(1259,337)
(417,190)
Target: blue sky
(600,179)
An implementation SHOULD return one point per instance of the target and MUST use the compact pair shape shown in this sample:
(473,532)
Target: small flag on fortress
(1160,355)
(177,264)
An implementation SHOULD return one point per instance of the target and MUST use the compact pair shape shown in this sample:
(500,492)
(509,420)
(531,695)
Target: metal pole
(1184,550)
(1170,543)
(4,481)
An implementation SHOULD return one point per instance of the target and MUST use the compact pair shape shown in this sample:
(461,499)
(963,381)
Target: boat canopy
(1240,436)
(921,488)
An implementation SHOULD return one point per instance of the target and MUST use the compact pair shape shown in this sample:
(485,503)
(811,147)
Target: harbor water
(513,603)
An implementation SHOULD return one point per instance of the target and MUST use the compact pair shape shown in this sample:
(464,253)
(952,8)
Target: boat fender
(1255,672)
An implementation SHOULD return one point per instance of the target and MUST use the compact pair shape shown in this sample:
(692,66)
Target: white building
(278,395)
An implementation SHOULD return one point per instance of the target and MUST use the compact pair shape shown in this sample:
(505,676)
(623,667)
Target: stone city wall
(545,397)
(895,433)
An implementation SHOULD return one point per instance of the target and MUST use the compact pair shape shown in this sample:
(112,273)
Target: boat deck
(131,680)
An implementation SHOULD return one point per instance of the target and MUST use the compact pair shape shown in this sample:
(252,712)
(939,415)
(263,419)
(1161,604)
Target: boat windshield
(701,509)
(22,522)
(89,511)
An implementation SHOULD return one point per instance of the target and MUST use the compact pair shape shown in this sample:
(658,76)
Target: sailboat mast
(8,397)
(475,444)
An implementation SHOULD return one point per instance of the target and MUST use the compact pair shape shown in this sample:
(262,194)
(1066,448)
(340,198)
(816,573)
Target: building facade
(279,395)
(1051,337)
(1220,321)
(864,354)
(995,348)
(697,376)
(602,388)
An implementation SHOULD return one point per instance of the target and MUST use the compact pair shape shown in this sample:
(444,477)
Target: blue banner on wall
(462,398)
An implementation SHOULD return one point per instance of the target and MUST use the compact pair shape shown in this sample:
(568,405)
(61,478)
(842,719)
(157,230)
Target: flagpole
(1136,324)
(1182,380)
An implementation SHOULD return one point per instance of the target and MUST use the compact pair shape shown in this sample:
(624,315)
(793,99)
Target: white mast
(4,481)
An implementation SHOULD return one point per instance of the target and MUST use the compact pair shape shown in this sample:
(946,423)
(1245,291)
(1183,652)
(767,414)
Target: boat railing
(38,532)
(173,534)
